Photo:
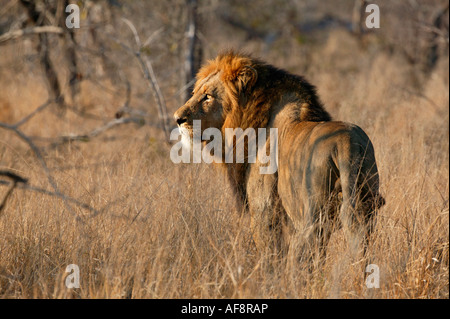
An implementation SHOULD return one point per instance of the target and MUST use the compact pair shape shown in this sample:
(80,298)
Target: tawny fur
(325,168)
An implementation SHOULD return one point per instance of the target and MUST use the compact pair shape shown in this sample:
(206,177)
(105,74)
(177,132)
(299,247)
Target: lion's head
(219,93)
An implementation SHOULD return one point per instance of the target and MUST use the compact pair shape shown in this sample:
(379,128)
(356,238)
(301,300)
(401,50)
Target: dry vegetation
(172,231)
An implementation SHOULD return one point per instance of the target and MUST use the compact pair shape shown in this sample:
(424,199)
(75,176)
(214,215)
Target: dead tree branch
(15,129)
(7,7)
(29,31)
(15,180)
(194,52)
(75,75)
(99,130)
(149,75)
(32,114)
(46,21)
(359,8)
(26,186)
(436,32)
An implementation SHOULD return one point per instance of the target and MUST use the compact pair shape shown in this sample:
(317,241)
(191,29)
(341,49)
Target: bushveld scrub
(172,231)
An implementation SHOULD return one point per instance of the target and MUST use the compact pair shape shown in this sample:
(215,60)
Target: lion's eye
(207,97)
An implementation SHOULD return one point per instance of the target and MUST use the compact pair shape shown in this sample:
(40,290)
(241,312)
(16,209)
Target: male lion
(322,164)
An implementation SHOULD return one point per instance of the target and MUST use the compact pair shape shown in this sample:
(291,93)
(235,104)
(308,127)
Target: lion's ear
(247,78)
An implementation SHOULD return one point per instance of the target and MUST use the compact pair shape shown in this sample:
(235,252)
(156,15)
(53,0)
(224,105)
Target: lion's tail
(360,187)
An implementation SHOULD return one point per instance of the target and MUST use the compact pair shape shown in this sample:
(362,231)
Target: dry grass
(171,231)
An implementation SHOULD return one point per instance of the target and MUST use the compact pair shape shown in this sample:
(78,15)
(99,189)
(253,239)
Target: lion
(326,173)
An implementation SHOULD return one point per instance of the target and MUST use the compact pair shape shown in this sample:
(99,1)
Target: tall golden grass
(172,231)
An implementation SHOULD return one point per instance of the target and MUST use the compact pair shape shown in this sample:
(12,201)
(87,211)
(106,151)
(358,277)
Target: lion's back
(313,158)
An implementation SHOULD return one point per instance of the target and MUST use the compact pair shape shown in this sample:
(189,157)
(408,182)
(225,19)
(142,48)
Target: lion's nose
(180,120)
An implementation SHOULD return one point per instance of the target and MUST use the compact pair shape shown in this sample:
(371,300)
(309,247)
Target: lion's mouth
(185,129)
(186,135)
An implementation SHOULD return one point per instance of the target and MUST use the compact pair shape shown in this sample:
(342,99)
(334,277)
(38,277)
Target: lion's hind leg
(269,229)
(308,246)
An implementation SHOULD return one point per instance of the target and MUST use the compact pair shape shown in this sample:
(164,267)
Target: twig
(149,75)
(35,30)
(160,98)
(37,152)
(194,50)
(133,29)
(152,37)
(86,137)
(25,186)
(128,110)
(32,114)
(7,7)
(16,179)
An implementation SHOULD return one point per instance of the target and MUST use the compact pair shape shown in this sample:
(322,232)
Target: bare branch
(16,179)
(133,29)
(194,50)
(41,160)
(98,131)
(152,37)
(162,108)
(7,7)
(150,76)
(26,186)
(44,18)
(358,17)
(28,31)
(32,114)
